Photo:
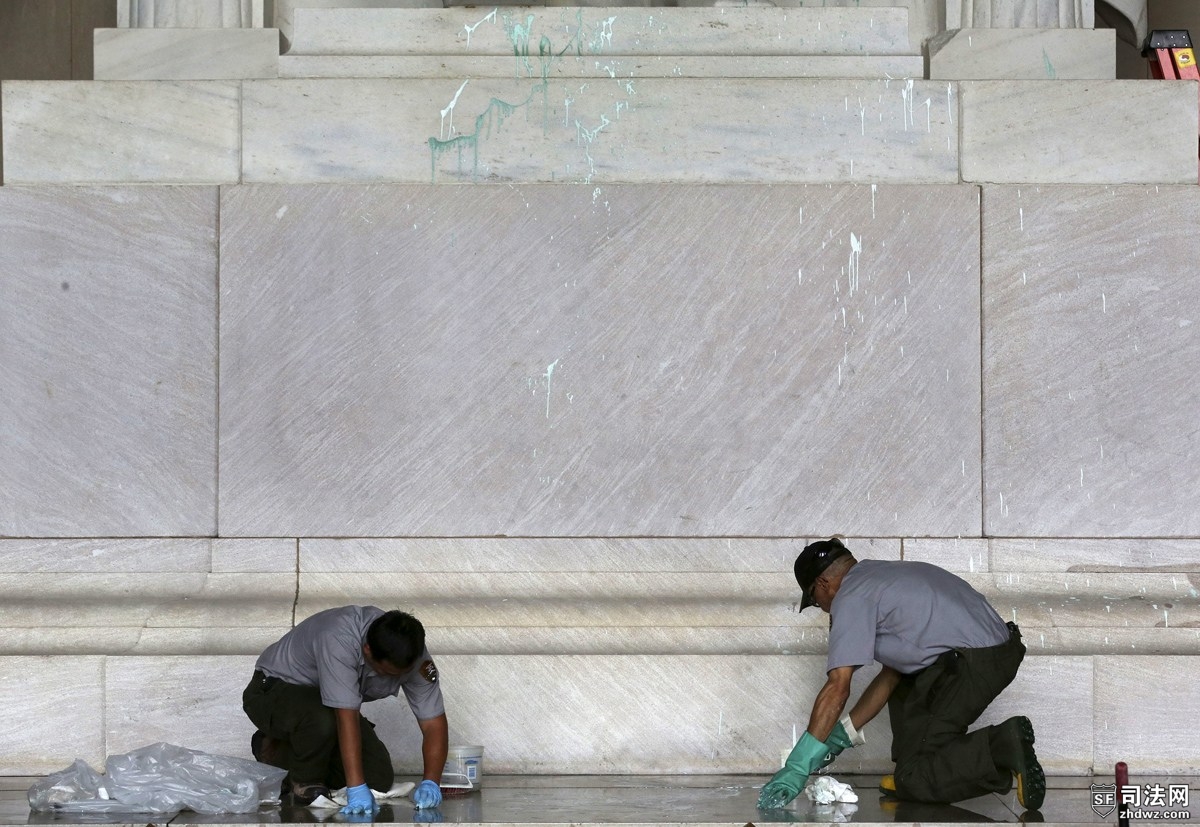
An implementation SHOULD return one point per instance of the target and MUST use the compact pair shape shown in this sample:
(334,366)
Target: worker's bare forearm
(874,697)
(830,702)
(435,743)
(350,745)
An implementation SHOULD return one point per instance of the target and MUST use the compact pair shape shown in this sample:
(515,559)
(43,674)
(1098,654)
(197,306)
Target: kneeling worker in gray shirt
(946,655)
(307,691)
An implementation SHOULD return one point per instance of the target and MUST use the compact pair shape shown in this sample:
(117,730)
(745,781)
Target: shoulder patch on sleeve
(429,671)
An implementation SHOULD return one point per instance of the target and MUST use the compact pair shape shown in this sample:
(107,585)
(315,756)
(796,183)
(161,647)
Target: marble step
(607,67)
(1023,54)
(679,801)
(534,32)
(649,713)
(621,129)
(185,54)
(560,612)
(112,640)
(161,132)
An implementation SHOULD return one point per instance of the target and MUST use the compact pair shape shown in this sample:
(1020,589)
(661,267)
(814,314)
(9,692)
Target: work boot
(887,785)
(1012,749)
(305,793)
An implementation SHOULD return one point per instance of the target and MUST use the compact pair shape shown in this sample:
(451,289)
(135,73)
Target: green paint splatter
(496,114)
(585,39)
(1050,73)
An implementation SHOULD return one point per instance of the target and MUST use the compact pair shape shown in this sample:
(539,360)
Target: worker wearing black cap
(946,655)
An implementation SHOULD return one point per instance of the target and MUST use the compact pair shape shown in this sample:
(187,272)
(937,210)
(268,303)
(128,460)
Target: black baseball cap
(815,558)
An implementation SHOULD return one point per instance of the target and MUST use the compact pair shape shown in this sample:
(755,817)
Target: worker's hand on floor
(807,756)
(428,794)
(359,800)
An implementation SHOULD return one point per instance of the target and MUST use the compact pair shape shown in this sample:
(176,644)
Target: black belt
(264,682)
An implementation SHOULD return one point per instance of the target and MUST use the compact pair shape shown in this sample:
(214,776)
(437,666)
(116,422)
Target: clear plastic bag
(160,778)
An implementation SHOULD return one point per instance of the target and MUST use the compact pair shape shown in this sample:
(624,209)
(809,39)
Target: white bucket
(464,770)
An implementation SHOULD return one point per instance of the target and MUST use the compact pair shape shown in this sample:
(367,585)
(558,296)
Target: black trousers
(306,730)
(937,760)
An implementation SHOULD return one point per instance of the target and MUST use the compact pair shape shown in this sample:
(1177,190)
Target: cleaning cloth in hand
(825,789)
(337,798)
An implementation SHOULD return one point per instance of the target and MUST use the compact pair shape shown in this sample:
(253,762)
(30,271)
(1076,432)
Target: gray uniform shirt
(325,651)
(905,614)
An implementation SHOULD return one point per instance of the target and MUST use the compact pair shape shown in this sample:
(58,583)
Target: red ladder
(1170,54)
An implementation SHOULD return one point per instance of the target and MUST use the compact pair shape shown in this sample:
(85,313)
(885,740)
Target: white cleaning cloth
(337,798)
(825,789)
(833,813)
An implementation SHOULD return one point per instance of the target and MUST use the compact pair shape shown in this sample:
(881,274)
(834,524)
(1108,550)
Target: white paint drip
(604,38)
(548,375)
(906,95)
(874,189)
(449,110)
(855,254)
(280,212)
(471,29)
(949,103)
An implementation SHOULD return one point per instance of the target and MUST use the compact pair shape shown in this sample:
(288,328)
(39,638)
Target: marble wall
(577,361)
(582,432)
(574,380)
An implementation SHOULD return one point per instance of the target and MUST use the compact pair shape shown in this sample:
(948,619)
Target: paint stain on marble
(471,29)
(449,110)
(549,376)
(583,38)
(1050,71)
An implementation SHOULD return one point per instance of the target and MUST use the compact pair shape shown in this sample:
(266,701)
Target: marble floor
(644,801)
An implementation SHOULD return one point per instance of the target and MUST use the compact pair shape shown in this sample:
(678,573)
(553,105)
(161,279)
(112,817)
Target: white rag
(833,813)
(825,789)
(337,798)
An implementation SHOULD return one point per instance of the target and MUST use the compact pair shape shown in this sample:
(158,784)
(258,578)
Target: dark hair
(396,637)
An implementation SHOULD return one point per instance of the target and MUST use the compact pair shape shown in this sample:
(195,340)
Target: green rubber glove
(843,736)
(806,757)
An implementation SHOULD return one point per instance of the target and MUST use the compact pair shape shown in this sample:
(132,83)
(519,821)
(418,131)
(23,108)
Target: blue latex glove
(807,756)
(427,795)
(359,800)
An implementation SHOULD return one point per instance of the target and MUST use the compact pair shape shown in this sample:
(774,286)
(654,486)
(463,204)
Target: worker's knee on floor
(910,786)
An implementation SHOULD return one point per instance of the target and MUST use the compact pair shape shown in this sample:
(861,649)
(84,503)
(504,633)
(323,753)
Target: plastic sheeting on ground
(160,778)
